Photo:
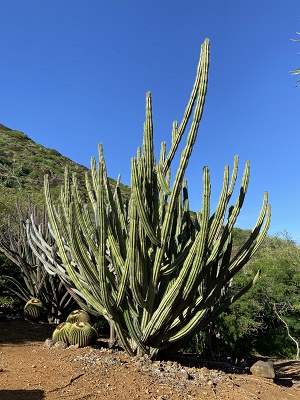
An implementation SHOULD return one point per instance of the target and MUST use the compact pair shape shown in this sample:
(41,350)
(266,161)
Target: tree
(260,319)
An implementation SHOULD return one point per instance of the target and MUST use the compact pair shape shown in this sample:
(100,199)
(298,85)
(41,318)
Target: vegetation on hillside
(266,319)
(23,164)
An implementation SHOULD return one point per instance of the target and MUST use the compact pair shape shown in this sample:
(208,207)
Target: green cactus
(155,270)
(77,316)
(35,282)
(33,310)
(82,334)
(61,332)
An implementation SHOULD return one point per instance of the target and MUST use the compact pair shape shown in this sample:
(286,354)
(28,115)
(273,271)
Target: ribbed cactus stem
(155,270)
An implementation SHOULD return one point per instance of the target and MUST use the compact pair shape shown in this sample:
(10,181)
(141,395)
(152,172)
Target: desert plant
(82,334)
(148,265)
(33,310)
(33,281)
(261,319)
(77,316)
(61,332)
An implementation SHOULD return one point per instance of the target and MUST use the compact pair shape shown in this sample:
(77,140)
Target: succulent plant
(61,332)
(58,299)
(82,333)
(78,316)
(156,271)
(33,309)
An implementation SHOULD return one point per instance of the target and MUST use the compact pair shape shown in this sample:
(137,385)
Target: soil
(31,371)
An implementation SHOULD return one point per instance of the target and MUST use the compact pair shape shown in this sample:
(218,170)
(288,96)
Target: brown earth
(30,371)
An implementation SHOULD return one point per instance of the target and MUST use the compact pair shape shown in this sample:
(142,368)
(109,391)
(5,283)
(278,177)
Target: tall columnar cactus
(149,265)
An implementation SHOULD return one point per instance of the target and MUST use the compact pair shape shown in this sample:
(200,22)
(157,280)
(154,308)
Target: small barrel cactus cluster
(77,330)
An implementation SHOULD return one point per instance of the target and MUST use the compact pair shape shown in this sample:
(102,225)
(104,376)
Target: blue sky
(75,73)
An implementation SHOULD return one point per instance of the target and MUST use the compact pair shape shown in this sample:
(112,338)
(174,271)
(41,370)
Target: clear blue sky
(75,73)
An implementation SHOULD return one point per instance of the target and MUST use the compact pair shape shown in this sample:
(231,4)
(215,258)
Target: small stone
(49,343)
(184,374)
(60,345)
(263,369)
(74,346)
(156,363)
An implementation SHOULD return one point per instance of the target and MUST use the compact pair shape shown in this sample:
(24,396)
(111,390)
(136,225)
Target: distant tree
(267,319)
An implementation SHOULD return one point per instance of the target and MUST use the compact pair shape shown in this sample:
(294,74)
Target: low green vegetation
(261,320)
(23,164)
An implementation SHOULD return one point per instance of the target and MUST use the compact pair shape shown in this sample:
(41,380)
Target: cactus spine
(151,267)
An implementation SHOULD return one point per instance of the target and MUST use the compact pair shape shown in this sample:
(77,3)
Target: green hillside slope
(23,164)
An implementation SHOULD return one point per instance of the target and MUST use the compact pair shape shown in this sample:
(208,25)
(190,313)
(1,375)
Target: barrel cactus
(78,315)
(61,332)
(33,310)
(82,334)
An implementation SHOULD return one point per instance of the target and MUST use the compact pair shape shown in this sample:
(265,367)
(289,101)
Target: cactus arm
(140,206)
(65,260)
(165,230)
(133,264)
(134,330)
(243,256)
(233,176)
(120,211)
(161,180)
(35,239)
(100,257)
(148,144)
(177,133)
(198,321)
(184,282)
(111,241)
(234,212)
(118,218)
(218,216)
(198,260)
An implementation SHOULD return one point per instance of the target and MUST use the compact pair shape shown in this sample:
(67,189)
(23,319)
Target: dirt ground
(31,371)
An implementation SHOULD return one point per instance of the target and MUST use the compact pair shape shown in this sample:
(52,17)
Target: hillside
(23,164)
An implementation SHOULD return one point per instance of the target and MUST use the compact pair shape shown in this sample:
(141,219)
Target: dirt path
(30,371)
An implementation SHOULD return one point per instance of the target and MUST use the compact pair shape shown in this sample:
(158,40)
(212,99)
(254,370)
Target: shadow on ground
(22,395)
(18,331)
